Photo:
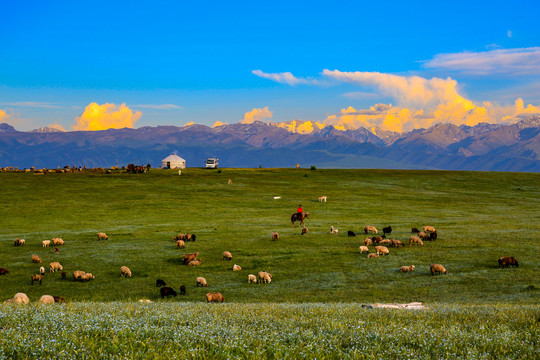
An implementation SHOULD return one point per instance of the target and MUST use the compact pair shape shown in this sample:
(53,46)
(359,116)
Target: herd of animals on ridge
(380,243)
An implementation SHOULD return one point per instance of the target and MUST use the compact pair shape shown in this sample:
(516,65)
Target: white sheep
(227,255)
(55,266)
(201,281)
(180,244)
(322,198)
(58,241)
(252,279)
(124,271)
(370,228)
(382,250)
(406,268)
(437,268)
(46,299)
(88,277)
(195,262)
(236,267)
(364,248)
(264,277)
(20,298)
(102,236)
(429,229)
(46,243)
(368,241)
(373,255)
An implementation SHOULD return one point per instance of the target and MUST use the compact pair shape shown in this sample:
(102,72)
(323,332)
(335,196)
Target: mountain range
(484,147)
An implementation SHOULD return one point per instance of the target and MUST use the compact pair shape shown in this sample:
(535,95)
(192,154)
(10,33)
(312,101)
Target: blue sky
(176,62)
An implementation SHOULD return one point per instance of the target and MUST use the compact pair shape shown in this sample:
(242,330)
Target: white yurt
(173,161)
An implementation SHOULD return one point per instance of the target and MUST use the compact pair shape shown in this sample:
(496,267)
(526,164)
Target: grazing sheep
(189,257)
(46,299)
(377,239)
(406,268)
(56,251)
(415,240)
(59,299)
(20,298)
(424,236)
(370,228)
(214,297)
(322,198)
(373,255)
(433,236)
(201,281)
(387,230)
(193,237)
(264,277)
(382,250)
(304,230)
(508,261)
(167,291)
(429,229)
(19,242)
(58,241)
(385,242)
(42,271)
(124,271)
(252,279)
(180,237)
(180,244)
(64,275)
(236,268)
(437,268)
(182,290)
(351,233)
(364,248)
(78,274)
(333,230)
(145,301)
(368,241)
(414,231)
(275,236)
(397,243)
(87,277)
(227,255)
(36,278)
(46,243)
(195,262)
(36,259)
(188,237)
(55,266)
(160,282)
(102,236)
(4,271)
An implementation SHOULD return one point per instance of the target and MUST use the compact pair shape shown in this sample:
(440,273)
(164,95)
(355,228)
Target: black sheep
(433,235)
(387,230)
(160,283)
(167,291)
(350,233)
(414,231)
(182,290)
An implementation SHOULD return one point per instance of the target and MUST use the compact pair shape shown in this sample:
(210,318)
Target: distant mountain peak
(7,129)
(47,129)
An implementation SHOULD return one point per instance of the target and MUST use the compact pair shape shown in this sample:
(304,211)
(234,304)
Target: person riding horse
(299,211)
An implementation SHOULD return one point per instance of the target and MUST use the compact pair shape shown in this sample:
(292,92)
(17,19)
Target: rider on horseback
(300,211)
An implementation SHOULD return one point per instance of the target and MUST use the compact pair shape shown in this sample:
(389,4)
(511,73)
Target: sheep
(59,299)
(508,261)
(102,236)
(56,251)
(397,243)
(364,248)
(373,255)
(336,231)
(36,278)
(145,301)
(214,297)
(423,236)
(189,257)
(387,230)
(370,228)
(275,236)
(236,267)
(4,271)
(429,229)
(196,262)
(201,281)
(377,239)
(182,290)
(304,230)
(55,266)
(19,242)
(160,283)
(264,277)
(368,241)
(167,291)
(386,242)
(229,181)
(180,237)
(382,250)
(414,230)
(58,241)
(227,255)
(433,236)
(88,277)
(252,279)
(46,243)
(188,237)
(36,259)
(406,268)
(322,198)
(180,244)
(64,275)
(20,298)
(437,268)
(78,274)
(351,233)
(42,271)
(333,230)
(192,237)
(46,299)
(124,271)
(415,240)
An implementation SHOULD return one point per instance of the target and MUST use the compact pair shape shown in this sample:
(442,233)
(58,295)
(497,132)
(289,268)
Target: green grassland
(479,216)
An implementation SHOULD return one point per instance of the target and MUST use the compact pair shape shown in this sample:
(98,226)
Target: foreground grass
(479,216)
(271,331)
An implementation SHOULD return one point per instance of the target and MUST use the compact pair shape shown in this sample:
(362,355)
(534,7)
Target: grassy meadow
(319,279)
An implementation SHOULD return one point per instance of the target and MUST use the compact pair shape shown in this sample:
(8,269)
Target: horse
(296,217)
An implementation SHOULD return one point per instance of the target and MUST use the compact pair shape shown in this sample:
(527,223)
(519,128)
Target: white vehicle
(212,163)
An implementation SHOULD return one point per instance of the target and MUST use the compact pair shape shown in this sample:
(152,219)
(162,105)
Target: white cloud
(283,78)
(219,123)
(106,116)
(519,61)
(33,104)
(158,106)
(256,114)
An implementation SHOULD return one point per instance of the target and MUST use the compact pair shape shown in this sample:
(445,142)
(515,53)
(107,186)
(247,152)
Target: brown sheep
(368,241)
(4,271)
(304,230)
(370,228)
(59,299)
(377,239)
(227,255)
(36,278)
(180,244)
(36,258)
(373,255)
(424,236)
(437,268)
(214,297)
(397,243)
(382,250)
(415,240)
(102,236)
(189,257)
(385,242)
(508,261)
(275,236)
(19,242)
(406,268)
